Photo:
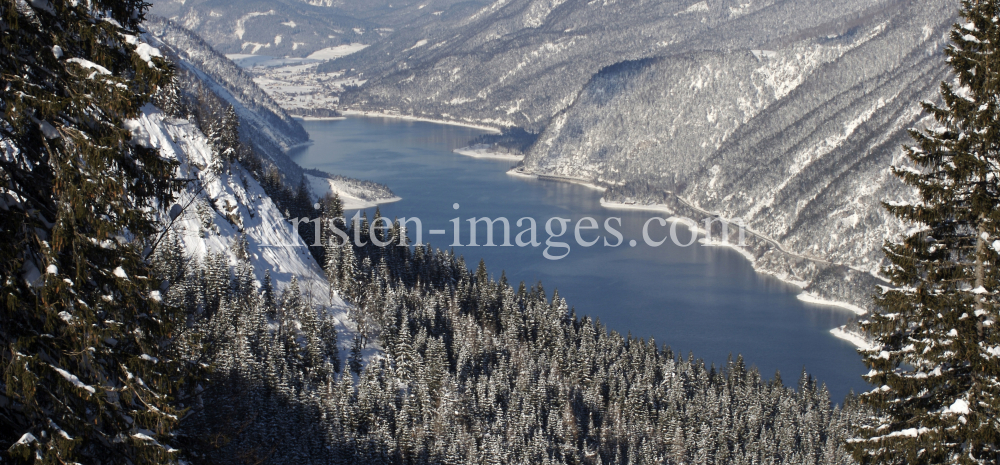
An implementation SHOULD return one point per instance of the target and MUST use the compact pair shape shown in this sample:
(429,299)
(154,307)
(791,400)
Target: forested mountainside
(206,331)
(797,141)
(299,28)
(208,83)
(399,355)
(263,121)
(519,62)
(469,370)
(785,114)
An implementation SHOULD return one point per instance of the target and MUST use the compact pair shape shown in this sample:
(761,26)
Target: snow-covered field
(378,114)
(333,53)
(245,60)
(300,90)
(295,84)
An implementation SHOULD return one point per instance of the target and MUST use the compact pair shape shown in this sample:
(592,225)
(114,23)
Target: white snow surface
(420,43)
(350,196)
(811,298)
(485,151)
(26,439)
(89,65)
(856,339)
(74,380)
(333,53)
(700,6)
(960,407)
(273,245)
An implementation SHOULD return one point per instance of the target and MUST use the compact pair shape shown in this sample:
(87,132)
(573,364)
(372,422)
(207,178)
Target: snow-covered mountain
(797,141)
(264,124)
(298,28)
(223,211)
(217,208)
(786,114)
(782,113)
(263,121)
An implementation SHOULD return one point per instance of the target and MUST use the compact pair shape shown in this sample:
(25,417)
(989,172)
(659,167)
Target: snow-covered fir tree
(88,350)
(936,362)
(472,370)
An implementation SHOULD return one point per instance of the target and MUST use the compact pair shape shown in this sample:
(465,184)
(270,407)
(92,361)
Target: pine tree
(936,361)
(88,363)
(228,141)
(267,297)
(355,361)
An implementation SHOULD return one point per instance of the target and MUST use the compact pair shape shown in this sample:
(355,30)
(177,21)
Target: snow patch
(350,196)
(700,7)
(26,439)
(420,43)
(74,380)
(484,151)
(811,298)
(241,23)
(333,53)
(960,407)
(856,339)
(89,65)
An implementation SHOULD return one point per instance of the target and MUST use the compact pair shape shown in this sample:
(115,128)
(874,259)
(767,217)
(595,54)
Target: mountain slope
(272,128)
(218,210)
(520,62)
(797,141)
(784,114)
(263,124)
(298,28)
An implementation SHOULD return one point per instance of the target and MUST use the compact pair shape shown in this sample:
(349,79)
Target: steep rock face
(797,141)
(520,62)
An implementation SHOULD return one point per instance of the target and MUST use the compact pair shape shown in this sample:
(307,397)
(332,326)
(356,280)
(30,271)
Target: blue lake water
(705,300)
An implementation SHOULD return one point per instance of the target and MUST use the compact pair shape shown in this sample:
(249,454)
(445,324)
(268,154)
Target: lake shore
(377,114)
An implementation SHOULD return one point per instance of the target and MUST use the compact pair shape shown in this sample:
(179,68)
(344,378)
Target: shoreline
(299,146)
(811,298)
(704,240)
(858,341)
(487,155)
(549,177)
(376,114)
(803,296)
(318,118)
(358,204)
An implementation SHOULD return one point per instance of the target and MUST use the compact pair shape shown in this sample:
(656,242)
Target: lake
(705,300)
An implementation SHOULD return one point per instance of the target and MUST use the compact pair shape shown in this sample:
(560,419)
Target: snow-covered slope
(352,194)
(218,208)
(797,141)
(271,127)
(263,123)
